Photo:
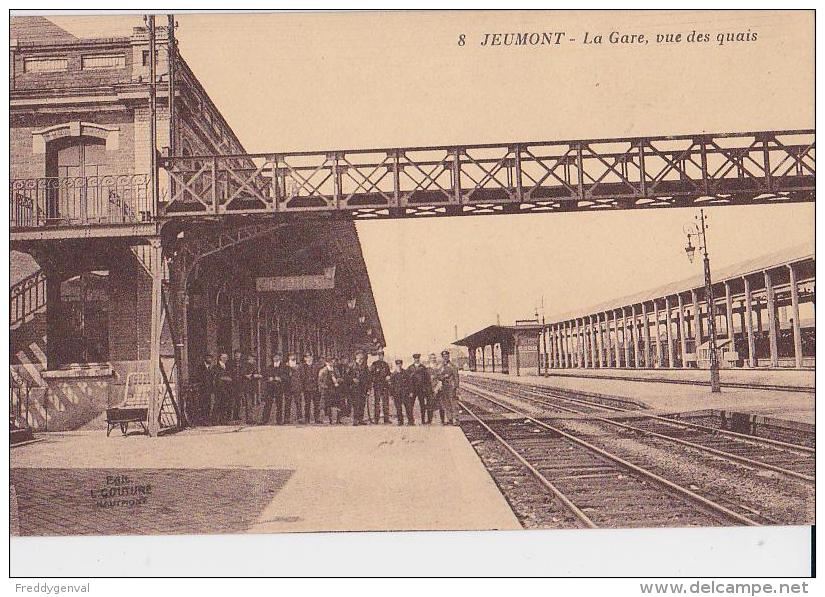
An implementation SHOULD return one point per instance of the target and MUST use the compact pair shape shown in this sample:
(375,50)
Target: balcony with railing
(79,201)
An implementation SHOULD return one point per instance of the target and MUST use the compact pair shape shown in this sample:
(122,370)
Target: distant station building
(765,317)
(85,234)
(513,349)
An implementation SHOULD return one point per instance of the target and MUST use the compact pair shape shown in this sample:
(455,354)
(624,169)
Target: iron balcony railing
(89,200)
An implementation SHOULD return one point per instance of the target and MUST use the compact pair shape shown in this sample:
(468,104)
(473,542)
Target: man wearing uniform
(380,376)
(401,395)
(447,376)
(360,387)
(309,381)
(420,386)
(275,377)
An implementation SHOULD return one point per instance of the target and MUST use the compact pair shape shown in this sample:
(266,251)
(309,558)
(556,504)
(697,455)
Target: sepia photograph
(249,293)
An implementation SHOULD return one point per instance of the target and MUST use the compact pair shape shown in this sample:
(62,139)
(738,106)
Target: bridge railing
(67,201)
(542,176)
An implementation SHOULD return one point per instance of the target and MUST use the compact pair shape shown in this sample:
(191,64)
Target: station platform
(235,479)
(668,397)
(796,379)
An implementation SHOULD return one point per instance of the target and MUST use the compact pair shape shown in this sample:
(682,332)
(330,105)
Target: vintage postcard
(250,294)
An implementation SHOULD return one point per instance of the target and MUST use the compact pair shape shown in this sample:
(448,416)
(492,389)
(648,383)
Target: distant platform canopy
(763,316)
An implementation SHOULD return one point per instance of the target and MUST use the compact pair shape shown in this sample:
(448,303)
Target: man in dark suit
(203,386)
(420,387)
(222,379)
(275,378)
(360,387)
(401,395)
(309,381)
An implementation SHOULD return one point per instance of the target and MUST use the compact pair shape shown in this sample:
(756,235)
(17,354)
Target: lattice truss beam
(739,168)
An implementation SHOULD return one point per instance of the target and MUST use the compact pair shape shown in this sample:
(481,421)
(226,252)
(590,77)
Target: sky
(358,80)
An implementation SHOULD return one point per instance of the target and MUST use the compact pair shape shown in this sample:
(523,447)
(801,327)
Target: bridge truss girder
(554,176)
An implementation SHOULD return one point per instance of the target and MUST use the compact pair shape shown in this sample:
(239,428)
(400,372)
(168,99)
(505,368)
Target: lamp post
(697,230)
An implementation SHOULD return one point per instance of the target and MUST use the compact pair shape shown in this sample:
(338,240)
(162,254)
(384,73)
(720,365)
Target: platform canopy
(497,334)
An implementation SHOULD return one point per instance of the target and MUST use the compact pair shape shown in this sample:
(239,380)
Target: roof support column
(634,334)
(646,332)
(579,359)
(493,356)
(682,332)
(729,315)
(671,348)
(556,347)
(483,360)
(600,338)
(659,360)
(617,362)
(797,325)
(697,320)
(592,337)
(568,355)
(608,349)
(625,340)
(772,335)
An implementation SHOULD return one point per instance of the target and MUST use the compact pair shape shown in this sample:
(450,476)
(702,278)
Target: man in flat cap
(447,376)
(401,395)
(380,376)
(420,385)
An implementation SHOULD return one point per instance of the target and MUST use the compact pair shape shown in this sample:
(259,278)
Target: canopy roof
(497,334)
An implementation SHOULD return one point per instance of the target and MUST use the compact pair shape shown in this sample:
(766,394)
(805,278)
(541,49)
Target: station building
(765,318)
(83,227)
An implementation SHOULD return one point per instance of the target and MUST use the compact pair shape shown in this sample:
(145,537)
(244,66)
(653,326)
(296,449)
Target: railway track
(592,486)
(789,460)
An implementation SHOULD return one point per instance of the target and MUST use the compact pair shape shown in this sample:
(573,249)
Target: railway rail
(594,486)
(789,460)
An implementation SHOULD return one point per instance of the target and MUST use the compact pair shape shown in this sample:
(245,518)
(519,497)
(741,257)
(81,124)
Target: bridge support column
(729,316)
(772,335)
(797,325)
(155,384)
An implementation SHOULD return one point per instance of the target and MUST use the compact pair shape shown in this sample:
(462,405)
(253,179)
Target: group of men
(328,391)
